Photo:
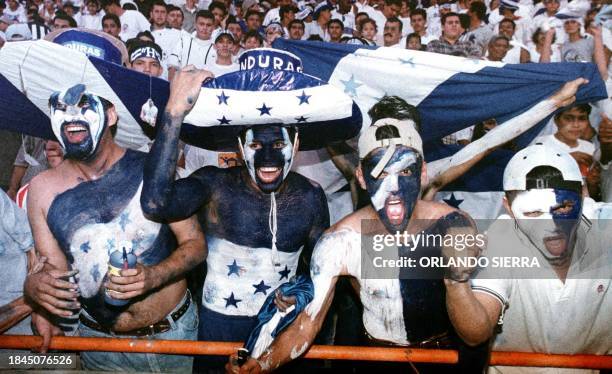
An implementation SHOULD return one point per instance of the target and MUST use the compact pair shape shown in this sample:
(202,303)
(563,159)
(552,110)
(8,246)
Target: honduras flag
(451,93)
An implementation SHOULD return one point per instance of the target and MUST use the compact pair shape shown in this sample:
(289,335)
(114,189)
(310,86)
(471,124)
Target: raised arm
(334,255)
(160,199)
(444,171)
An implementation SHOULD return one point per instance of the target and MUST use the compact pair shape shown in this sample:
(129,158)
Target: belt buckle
(151,330)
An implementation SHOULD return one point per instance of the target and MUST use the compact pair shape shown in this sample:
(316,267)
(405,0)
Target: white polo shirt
(191,51)
(547,315)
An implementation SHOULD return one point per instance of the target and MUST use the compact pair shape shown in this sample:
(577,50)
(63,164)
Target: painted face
(549,217)
(268,154)
(78,121)
(395,192)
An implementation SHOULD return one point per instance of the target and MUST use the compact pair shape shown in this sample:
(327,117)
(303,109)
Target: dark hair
(218,5)
(508,20)
(447,15)
(412,35)
(534,37)
(495,38)
(393,2)
(172,8)
(395,107)
(130,6)
(315,38)
(464,20)
(298,21)
(286,9)
(584,108)
(478,9)
(396,20)
(146,34)
(420,11)
(250,12)
(65,17)
(253,34)
(205,14)
(112,17)
(335,20)
(158,3)
(106,3)
(368,20)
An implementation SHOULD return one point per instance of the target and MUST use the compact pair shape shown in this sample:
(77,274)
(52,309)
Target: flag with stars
(451,93)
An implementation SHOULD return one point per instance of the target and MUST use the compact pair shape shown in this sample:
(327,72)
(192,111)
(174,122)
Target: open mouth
(555,244)
(268,174)
(75,132)
(394,207)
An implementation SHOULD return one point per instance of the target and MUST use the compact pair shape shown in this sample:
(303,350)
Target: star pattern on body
(264,110)
(284,273)
(452,201)
(85,247)
(224,121)
(261,287)
(95,272)
(233,269)
(110,245)
(231,300)
(350,86)
(304,98)
(223,98)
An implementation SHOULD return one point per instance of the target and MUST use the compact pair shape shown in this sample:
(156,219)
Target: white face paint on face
(548,217)
(390,176)
(78,121)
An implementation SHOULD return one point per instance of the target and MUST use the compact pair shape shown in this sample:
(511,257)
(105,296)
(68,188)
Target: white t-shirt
(546,315)
(93,22)
(219,70)
(272,16)
(191,50)
(132,22)
(583,145)
(18,14)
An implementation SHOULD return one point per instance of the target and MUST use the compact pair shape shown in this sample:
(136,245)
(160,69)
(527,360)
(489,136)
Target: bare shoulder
(353,221)
(45,186)
(431,210)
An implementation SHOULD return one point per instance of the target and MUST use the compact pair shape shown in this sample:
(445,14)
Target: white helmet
(524,161)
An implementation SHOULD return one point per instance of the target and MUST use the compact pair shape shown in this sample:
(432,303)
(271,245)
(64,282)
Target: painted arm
(444,171)
(333,256)
(160,199)
(190,252)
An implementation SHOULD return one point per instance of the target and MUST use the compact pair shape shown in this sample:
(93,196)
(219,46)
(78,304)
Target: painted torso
(240,271)
(96,218)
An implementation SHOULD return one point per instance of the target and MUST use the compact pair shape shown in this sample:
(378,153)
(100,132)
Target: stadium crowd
(188,41)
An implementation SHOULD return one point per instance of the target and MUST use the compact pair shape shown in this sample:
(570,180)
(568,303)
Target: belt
(156,328)
(441,341)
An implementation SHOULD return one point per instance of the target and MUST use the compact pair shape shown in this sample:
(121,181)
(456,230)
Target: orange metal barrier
(315,352)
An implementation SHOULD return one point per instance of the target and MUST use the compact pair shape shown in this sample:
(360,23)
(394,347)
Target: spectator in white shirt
(252,40)
(273,14)
(296,29)
(335,28)
(63,21)
(132,21)
(93,18)
(418,21)
(219,10)
(369,31)
(145,57)
(175,17)
(15,12)
(321,16)
(111,25)
(273,31)
(223,63)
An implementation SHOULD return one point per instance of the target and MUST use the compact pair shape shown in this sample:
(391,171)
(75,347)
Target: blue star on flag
(231,300)
(304,98)
(110,245)
(454,202)
(124,220)
(85,247)
(407,61)
(264,110)
(223,98)
(224,121)
(301,119)
(284,273)
(261,287)
(233,269)
(350,86)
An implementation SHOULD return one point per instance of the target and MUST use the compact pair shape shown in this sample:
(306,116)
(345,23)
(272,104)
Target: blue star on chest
(223,98)
(124,220)
(95,272)
(110,245)
(261,287)
(264,110)
(284,273)
(452,201)
(231,300)
(85,247)
(304,98)
(233,269)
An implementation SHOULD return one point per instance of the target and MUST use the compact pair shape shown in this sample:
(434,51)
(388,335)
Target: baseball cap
(220,32)
(405,134)
(524,161)
(18,32)
(319,8)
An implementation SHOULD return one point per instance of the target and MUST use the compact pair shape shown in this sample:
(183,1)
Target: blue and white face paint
(396,190)
(549,218)
(78,120)
(268,155)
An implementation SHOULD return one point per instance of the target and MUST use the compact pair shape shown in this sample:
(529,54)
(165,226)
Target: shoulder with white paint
(337,253)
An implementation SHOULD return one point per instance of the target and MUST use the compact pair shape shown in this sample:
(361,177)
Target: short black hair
(298,21)
(508,20)
(584,108)
(250,12)
(395,20)
(65,17)
(395,107)
(335,20)
(253,34)
(205,14)
(393,2)
(479,9)
(419,11)
(112,17)
(447,15)
(146,34)
(286,9)
(218,5)
(158,3)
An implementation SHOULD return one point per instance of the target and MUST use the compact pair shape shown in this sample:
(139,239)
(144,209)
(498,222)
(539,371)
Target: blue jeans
(186,328)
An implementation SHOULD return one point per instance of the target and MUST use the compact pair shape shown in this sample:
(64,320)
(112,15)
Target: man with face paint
(261,220)
(86,211)
(568,309)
